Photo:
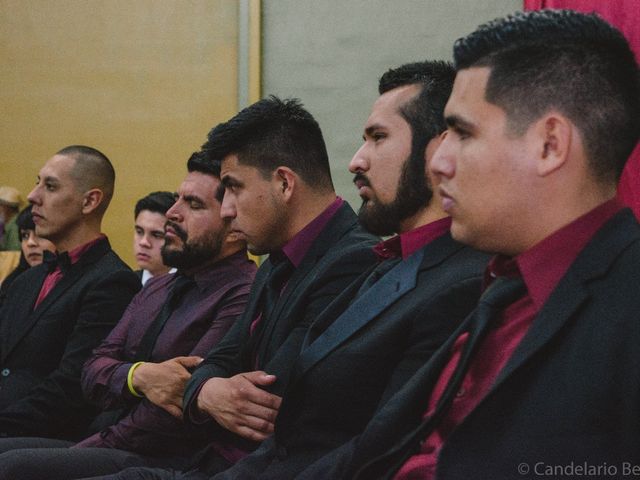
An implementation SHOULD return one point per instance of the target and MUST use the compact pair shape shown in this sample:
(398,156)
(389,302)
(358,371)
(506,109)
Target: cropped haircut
(24,220)
(425,112)
(200,162)
(92,169)
(156,202)
(568,61)
(272,133)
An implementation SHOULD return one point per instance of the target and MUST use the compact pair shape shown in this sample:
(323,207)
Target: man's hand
(163,383)
(239,405)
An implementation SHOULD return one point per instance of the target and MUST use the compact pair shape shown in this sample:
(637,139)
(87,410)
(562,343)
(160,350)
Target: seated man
(386,324)
(542,380)
(148,235)
(395,318)
(143,365)
(56,313)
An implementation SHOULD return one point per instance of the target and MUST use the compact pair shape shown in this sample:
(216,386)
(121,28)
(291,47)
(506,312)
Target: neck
(432,212)
(307,210)
(80,236)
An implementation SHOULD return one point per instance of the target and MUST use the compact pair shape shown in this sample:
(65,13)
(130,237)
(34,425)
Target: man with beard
(385,326)
(388,323)
(138,370)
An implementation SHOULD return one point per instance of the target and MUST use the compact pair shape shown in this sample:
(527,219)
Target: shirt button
(461,392)
(6,372)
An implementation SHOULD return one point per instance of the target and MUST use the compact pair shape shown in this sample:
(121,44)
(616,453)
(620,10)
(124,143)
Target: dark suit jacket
(363,357)
(570,392)
(42,351)
(341,252)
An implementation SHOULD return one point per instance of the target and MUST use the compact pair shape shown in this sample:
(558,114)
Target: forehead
(149,219)
(59,167)
(200,185)
(232,168)
(467,100)
(386,109)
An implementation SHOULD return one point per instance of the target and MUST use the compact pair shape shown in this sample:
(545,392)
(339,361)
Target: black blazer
(42,351)
(570,392)
(341,252)
(367,354)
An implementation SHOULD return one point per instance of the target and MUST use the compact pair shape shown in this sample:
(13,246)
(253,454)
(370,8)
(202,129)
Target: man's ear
(554,134)
(91,199)
(285,180)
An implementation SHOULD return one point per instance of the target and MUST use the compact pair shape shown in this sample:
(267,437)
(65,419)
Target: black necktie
(278,276)
(181,285)
(501,293)
(53,261)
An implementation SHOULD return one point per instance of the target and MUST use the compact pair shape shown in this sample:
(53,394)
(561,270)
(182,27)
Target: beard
(194,253)
(412,194)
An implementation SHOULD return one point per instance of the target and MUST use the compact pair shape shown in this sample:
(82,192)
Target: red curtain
(625,15)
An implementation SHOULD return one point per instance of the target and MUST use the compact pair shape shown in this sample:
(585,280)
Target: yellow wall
(143,81)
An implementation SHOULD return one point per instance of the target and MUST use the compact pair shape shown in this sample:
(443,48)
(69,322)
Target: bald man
(56,313)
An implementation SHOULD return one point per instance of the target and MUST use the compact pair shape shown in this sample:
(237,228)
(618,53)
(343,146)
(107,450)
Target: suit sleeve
(104,376)
(56,403)
(327,287)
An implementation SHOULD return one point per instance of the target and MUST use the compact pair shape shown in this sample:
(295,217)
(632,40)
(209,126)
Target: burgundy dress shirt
(198,323)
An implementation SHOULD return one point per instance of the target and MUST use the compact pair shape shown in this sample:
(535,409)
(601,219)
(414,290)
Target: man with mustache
(384,326)
(542,379)
(141,368)
(373,337)
(55,313)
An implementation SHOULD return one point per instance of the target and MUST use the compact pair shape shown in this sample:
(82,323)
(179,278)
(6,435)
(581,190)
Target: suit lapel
(18,317)
(573,290)
(21,324)
(385,292)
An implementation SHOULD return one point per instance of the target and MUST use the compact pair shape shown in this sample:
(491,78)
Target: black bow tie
(53,261)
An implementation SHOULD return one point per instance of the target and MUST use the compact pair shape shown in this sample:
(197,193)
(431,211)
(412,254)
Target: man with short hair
(279,197)
(389,322)
(143,365)
(148,236)
(542,379)
(57,312)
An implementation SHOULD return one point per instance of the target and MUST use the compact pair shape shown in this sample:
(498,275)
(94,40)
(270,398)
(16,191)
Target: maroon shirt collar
(407,243)
(543,265)
(76,253)
(296,248)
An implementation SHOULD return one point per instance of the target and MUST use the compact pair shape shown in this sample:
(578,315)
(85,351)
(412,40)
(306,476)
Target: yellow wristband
(130,380)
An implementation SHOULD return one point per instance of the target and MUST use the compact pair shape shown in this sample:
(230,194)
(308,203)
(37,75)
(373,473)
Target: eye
(24,235)
(158,235)
(49,186)
(377,136)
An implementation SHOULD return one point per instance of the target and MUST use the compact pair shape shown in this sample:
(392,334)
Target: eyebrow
(457,122)
(192,198)
(372,128)
(228,181)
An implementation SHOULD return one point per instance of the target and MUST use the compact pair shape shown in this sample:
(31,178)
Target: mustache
(360,177)
(176,228)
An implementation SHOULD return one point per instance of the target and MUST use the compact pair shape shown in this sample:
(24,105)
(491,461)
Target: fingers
(188,362)
(259,377)
(246,390)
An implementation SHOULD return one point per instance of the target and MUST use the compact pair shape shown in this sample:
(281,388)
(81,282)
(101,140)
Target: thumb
(188,362)
(259,377)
